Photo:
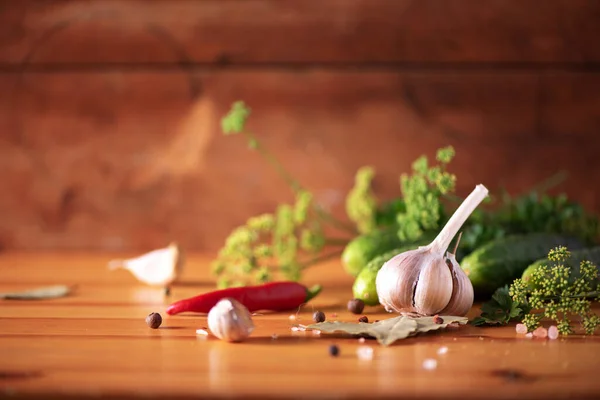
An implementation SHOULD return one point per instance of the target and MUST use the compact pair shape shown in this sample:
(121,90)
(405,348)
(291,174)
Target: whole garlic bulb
(230,320)
(428,280)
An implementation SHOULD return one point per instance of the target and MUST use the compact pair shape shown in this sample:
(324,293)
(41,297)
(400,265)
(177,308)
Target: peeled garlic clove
(158,267)
(230,320)
(462,297)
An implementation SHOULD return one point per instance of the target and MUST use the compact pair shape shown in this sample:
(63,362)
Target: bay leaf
(351,328)
(426,324)
(389,330)
(48,292)
(402,328)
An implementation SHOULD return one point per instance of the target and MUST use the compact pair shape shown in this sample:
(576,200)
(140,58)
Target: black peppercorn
(153,320)
(334,351)
(363,319)
(319,316)
(356,306)
(438,320)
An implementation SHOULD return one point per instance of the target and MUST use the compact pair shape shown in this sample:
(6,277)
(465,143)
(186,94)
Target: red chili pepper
(272,296)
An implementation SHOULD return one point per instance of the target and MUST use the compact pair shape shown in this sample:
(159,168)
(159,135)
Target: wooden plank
(131,160)
(36,32)
(109,352)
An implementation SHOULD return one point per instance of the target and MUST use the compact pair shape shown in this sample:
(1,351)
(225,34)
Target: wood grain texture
(109,110)
(305,32)
(95,344)
(131,160)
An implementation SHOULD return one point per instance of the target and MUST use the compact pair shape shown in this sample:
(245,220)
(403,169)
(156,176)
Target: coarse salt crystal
(553,332)
(316,332)
(274,336)
(430,364)
(521,329)
(540,332)
(201,332)
(361,340)
(529,335)
(364,352)
(442,350)
(292,317)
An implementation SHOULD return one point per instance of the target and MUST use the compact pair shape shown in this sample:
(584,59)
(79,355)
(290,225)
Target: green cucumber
(501,261)
(591,254)
(365,247)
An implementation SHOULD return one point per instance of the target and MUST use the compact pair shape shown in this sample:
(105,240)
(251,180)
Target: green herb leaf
(500,310)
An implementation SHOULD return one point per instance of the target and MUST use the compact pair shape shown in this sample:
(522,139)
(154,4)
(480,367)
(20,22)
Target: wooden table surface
(95,343)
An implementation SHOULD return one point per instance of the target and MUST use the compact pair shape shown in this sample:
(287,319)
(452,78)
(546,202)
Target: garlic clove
(462,290)
(159,267)
(433,287)
(230,320)
(400,282)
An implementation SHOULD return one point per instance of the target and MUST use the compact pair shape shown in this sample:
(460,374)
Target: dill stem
(294,184)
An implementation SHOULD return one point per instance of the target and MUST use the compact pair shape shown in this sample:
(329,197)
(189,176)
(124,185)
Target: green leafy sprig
(422,192)
(361,203)
(532,212)
(286,241)
(501,309)
(553,292)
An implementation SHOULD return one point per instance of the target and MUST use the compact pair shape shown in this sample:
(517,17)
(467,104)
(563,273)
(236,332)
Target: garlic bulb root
(429,280)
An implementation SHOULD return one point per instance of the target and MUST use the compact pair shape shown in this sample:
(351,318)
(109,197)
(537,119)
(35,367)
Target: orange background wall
(109,110)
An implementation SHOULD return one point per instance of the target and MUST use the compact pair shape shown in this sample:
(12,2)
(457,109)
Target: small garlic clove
(434,287)
(158,267)
(230,320)
(462,297)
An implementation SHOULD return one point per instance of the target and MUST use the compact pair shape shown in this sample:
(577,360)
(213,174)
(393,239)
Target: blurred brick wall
(109,110)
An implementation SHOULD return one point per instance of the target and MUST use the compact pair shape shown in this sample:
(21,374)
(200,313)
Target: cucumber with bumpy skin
(591,254)
(501,261)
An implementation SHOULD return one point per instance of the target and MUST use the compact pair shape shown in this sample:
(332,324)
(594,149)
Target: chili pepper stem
(312,292)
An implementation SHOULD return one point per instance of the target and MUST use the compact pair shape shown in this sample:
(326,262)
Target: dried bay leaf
(361,328)
(426,324)
(389,330)
(49,292)
(401,329)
